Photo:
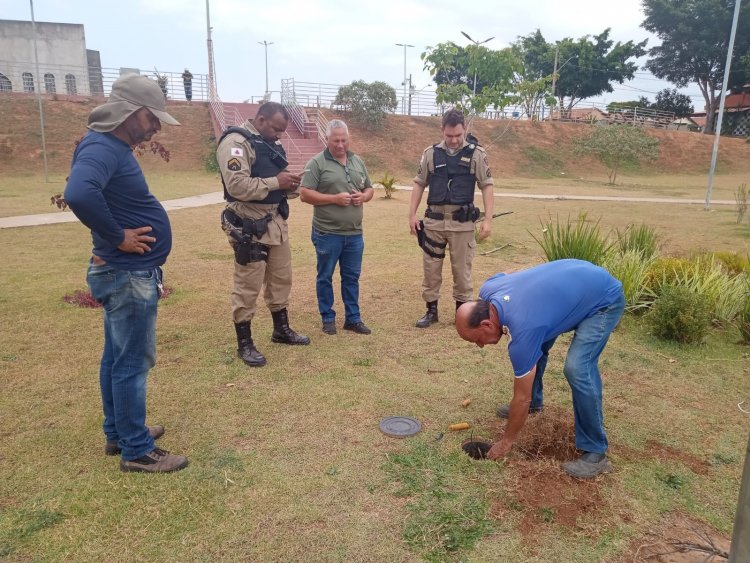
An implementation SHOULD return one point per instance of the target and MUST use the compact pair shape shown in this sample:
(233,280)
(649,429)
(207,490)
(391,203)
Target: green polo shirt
(326,175)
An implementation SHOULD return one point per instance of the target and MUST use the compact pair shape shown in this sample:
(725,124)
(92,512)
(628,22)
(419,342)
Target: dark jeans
(130,301)
(346,251)
(582,372)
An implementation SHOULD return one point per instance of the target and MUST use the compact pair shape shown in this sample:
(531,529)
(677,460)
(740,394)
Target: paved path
(217,197)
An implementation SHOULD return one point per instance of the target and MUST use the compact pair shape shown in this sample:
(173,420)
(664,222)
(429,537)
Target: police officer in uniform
(451,169)
(256,186)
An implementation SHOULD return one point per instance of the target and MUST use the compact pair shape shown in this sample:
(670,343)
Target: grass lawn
(287,462)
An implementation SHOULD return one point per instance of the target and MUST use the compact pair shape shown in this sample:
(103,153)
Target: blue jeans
(130,300)
(582,372)
(346,251)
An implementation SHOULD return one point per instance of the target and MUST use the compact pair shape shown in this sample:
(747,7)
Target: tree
(673,101)
(453,69)
(594,64)
(533,83)
(615,145)
(694,41)
(368,103)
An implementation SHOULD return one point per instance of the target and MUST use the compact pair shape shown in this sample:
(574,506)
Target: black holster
(242,232)
(465,213)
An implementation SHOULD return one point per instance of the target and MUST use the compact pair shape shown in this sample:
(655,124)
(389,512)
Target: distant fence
(423,103)
(90,81)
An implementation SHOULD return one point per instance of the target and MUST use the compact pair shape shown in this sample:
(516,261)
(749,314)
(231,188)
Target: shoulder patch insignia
(237,151)
(234,165)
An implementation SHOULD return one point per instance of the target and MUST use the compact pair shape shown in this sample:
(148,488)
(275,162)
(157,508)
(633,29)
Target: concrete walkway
(218,197)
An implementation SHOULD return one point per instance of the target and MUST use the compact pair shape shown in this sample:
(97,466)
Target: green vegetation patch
(445,518)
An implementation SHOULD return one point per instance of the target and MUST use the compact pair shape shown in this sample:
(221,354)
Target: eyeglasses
(348,177)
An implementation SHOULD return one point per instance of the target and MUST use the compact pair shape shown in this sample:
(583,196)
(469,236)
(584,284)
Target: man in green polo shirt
(336,183)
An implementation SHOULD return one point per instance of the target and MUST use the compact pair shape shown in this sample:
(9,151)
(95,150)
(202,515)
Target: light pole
(403,102)
(477,43)
(265,46)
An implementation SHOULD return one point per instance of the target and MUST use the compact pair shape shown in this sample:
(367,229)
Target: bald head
(478,322)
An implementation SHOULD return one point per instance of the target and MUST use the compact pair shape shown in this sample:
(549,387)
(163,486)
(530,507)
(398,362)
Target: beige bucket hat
(129,94)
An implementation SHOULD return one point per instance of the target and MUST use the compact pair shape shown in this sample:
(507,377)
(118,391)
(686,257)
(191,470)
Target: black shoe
(111,447)
(329,327)
(282,334)
(358,327)
(430,317)
(246,349)
(459,303)
(156,461)
(503,411)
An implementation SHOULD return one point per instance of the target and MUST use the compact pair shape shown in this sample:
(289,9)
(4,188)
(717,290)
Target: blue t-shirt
(543,302)
(107,191)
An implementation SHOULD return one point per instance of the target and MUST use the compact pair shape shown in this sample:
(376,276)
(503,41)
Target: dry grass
(287,461)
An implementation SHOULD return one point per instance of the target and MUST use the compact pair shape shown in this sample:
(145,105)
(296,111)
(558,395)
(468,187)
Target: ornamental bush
(680,314)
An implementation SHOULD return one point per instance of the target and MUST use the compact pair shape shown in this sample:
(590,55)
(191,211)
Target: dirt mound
(531,149)
(65,122)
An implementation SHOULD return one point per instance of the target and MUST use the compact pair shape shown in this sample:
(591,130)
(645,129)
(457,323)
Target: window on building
(49,83)
(70,84)
(28,82)
(5,84)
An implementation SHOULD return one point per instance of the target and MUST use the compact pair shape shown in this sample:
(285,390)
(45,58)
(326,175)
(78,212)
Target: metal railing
(90,80)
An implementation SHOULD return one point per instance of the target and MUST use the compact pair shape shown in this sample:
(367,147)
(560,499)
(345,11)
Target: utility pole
(477,44)
(554,77)
(403,100)
(265,45)
(38,93)
(728,64)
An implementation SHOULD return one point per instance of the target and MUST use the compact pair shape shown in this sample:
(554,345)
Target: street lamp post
(403,102)
(265,46)
(477,43)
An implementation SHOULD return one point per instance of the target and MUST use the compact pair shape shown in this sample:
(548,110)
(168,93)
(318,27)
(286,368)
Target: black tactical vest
(452,182)
(269,161)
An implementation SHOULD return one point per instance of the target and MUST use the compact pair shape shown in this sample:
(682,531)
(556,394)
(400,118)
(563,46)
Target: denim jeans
(130,301)
(346,251)
(582,372)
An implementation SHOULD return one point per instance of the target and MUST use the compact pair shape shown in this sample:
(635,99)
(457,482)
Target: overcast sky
(327,41)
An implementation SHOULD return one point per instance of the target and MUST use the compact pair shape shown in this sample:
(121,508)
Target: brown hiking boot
(156,461)
(111,447)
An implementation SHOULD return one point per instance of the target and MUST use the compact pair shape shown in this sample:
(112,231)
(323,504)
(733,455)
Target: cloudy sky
(327,41)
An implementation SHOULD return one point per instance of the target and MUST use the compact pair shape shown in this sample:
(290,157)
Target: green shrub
(733,262)
(209,157)
(579,239)
(388,182)
(630,268)
(743,322)
(640,238)
(680,314)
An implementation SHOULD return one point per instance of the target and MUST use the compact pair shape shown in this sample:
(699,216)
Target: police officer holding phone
(257,185)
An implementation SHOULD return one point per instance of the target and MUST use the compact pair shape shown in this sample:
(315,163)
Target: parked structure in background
(66,66)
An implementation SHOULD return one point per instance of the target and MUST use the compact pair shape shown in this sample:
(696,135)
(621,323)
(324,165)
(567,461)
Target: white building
(65,65)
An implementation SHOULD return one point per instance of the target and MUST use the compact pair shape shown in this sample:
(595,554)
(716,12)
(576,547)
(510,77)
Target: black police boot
(246,350)
(459,303)
(282,334)
(430,317)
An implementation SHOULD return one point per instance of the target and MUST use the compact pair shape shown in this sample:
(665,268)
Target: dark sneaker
(359,328)
(503,411)
(329,327)
(156,461)
(111,447)
(587,466)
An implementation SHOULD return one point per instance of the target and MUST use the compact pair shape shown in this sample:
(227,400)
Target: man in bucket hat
(132,238)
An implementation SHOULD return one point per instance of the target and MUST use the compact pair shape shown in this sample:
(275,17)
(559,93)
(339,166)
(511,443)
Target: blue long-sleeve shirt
(108,193)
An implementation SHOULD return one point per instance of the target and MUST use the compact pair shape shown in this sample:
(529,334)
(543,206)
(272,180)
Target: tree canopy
(368,103)
(694,42)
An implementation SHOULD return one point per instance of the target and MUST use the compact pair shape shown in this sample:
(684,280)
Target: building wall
(61,49)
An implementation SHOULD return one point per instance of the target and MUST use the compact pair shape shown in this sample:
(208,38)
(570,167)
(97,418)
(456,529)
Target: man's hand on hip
(136,241)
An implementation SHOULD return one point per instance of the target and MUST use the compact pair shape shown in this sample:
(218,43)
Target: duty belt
(463,214)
